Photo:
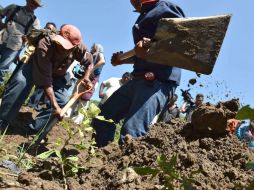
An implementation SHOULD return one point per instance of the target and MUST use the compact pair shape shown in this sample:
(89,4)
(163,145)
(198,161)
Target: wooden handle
(74,98)
(127,55)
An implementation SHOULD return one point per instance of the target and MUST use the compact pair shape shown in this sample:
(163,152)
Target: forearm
(51,96)
(100,63)
(101,88)
(129,59)
(88,72)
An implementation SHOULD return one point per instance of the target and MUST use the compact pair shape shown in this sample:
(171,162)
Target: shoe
(30,130)
(3,126)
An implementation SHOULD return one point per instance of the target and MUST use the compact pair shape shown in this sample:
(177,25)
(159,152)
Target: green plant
(68,163)
(3,151)
(245,113)
(96,102)
(2,87)
(250,165)
(30,94)
(26,162)
(251,186)
(118,131)
(169,172)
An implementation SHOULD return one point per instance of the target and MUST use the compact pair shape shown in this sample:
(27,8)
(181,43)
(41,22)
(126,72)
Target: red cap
(68,37)
(147,1)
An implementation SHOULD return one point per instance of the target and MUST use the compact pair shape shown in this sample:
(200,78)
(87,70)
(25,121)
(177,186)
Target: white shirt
(111,85)
(12,34)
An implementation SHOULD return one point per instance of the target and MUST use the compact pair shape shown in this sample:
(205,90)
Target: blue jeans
(18,89)
(7,56)
(61,93)
(36,98)
(138,101)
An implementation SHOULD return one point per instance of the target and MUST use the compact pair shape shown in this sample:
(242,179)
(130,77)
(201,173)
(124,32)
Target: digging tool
(190,43)
(53,119)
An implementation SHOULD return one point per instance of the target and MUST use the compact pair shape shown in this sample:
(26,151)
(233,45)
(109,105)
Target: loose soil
(221,159)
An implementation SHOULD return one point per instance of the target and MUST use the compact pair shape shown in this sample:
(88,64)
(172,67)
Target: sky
(109,23)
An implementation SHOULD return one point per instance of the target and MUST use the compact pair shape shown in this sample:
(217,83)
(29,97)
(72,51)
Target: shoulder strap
(13,14)
(29,24)
(17,9)
(95,58)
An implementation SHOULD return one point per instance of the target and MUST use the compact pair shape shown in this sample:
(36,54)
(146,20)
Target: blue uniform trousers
(138,102)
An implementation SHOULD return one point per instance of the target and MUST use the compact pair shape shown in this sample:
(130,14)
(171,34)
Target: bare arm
(117,58)
(48,90)
(140,50)
(100,62)
(88,59)
(101,94)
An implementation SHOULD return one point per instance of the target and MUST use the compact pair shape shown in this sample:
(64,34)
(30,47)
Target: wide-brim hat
(38,2)
(68,37)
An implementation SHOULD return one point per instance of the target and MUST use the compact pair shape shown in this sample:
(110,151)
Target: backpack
(37,34)
(33,39)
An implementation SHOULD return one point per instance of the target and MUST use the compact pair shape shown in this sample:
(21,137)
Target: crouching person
(46,69)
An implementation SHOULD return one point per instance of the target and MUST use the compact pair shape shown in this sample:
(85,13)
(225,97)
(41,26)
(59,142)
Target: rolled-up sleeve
(42,65)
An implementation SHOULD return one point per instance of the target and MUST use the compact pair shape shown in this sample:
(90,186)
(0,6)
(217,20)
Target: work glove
(78,71)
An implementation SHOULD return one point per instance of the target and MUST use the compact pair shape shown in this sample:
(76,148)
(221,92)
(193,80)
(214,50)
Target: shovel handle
(127,55)
(146,43)
(53,120)
(74,98)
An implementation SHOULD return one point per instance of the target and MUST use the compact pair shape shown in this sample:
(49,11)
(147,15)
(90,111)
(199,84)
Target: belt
(146,75)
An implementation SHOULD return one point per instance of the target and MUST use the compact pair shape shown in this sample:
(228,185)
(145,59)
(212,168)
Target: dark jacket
(145,26)
(48,62)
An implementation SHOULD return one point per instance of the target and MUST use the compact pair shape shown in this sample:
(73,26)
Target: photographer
(189,106)
(172,111)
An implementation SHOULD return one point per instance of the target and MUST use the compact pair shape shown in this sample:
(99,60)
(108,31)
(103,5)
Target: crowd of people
(59,59)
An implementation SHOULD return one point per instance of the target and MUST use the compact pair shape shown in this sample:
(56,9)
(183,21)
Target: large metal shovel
(190,43)
(53,119)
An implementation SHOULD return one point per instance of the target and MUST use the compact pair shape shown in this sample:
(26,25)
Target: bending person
(46,69)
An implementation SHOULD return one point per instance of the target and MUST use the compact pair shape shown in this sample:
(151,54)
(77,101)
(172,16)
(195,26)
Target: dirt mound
(221,162)
(212,119)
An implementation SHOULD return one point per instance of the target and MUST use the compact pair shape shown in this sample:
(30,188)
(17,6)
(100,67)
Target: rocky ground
(219,159)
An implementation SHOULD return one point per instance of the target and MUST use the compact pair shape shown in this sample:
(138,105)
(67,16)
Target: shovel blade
(189,43)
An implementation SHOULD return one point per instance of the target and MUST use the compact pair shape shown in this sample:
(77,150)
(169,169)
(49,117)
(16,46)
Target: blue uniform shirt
(145,26)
